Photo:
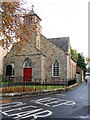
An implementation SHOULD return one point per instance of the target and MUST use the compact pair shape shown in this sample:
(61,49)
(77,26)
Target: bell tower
(33,19)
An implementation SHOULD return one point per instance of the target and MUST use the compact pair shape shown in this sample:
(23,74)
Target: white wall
(88,63)
(2,54)
(78,78)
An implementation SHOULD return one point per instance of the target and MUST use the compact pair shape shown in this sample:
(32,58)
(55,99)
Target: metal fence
(32,80)
(19,84)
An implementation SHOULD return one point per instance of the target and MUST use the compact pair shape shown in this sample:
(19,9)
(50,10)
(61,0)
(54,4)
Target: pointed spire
(32,11)
(32,6)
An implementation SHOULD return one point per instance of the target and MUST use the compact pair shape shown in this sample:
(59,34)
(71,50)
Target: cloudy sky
(64,18)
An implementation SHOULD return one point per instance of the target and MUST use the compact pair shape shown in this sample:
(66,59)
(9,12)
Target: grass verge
(14,89)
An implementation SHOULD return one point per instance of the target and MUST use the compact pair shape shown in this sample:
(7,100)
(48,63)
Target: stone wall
(71,65)
(71,68)
(18,58)
(53,53)
(19,61)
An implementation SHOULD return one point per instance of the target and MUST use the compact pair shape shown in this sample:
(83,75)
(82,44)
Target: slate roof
(61,42)
(33,13)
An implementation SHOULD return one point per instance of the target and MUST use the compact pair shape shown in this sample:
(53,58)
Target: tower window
(30,19)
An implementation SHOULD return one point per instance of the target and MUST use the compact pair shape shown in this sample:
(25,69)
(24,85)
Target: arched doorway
(27,70)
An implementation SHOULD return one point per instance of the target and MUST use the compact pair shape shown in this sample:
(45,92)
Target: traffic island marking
(5,101)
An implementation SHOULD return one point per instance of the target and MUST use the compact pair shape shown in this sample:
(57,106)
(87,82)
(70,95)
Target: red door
(27,72)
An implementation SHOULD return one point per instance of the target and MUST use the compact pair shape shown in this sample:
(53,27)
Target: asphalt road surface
(64,106)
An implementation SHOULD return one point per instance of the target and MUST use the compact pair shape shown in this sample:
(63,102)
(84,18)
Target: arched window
(55,69)
(27,63)
(10,70)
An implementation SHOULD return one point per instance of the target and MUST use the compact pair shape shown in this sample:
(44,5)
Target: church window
(27,63)
(10,70)
(55,69)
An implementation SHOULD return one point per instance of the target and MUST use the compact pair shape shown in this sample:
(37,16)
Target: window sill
(55,76)
(10,76)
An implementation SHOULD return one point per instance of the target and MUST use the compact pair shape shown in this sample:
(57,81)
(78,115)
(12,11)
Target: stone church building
(41,59)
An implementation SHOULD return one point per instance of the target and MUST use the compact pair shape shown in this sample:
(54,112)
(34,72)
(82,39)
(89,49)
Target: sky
(64,18)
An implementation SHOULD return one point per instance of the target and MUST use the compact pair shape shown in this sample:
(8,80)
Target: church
(44,60)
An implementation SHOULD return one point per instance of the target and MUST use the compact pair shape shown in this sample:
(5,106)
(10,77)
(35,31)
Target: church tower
(33,19)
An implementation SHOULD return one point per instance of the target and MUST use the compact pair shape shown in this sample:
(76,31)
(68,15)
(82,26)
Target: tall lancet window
(55,69)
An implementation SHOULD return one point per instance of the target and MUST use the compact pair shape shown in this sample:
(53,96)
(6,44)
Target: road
(71,105)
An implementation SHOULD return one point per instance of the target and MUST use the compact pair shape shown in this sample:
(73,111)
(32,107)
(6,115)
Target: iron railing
(19,84)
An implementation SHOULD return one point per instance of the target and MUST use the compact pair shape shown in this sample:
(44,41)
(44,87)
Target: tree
(80,59)
(74,54)
(81,62)
(13,29)
(88,62)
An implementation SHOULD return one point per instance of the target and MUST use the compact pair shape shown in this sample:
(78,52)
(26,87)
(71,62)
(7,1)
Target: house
(79,74)
(2,54)
(41,59)
(88,68)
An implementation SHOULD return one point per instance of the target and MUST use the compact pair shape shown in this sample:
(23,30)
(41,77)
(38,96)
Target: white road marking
(86,98)
(25,114)
(41,101)
(36,115)
(60,94)
(83,117)
(65,103)
(48,104)
(10,103)
(5,112)
(17,104)
(19,114)
(51,102)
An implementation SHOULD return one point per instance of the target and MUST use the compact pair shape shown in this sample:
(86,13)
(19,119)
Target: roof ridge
(57,37)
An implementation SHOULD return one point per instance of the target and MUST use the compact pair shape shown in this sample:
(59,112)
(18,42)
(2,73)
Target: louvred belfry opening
(27,70)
